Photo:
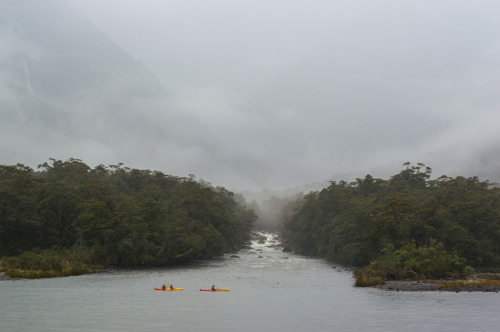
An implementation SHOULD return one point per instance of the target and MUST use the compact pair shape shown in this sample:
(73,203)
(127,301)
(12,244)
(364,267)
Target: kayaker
(163,287)
(213,287)
(171,287)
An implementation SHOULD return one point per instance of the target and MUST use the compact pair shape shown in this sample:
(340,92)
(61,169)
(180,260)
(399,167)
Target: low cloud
(251,95)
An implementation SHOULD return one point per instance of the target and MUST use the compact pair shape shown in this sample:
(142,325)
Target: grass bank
(48,264)
(480,280)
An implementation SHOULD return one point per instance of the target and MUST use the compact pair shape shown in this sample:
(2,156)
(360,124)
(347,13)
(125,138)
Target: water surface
(278,292)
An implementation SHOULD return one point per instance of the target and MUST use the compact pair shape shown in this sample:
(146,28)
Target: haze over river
(278,292)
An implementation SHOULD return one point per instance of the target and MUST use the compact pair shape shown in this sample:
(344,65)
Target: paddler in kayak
(213,287)
(171,286)
(163,287)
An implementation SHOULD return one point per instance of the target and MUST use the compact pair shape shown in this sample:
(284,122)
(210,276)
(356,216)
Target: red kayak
(215,290)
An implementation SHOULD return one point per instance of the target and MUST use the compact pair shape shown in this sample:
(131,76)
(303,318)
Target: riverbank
(438,286)
(4,276)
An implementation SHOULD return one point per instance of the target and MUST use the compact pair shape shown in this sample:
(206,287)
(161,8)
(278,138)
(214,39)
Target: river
(277,292)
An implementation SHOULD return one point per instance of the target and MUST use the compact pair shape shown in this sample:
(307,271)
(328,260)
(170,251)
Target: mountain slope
(67,91)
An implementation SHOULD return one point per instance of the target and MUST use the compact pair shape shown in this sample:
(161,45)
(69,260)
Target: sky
(293,92)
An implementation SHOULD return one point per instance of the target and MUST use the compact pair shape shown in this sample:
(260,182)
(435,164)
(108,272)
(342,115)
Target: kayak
(169,289)
(215,290)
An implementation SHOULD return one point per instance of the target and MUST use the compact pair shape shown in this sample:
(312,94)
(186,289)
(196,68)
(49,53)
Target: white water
(279,292)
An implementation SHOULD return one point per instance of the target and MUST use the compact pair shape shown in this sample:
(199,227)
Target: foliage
(466,283)
(120,216)
(409,226)
(417,263)
(368,281)
(47,263)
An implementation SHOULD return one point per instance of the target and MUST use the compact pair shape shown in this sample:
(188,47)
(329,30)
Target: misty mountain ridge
(61,72)
(53,51)
(67,90)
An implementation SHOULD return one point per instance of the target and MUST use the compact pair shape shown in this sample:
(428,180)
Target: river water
(277,292)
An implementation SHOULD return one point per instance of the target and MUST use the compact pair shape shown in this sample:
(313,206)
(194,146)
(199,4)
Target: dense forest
(67,217)
(406,227)
(115,215)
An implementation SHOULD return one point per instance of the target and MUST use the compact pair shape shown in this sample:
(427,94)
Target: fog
(253,94)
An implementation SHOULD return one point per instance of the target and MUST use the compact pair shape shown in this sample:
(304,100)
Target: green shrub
(47,264)
(411,262)
(369,282)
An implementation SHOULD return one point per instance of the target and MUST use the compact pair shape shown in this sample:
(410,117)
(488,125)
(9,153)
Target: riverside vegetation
(67,218)
(407,227)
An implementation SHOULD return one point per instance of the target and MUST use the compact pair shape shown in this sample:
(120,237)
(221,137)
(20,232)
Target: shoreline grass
(489,276)
(369,282)
(48,264)
(39,274)
(465,283)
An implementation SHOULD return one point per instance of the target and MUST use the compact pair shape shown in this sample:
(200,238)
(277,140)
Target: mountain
(68,91)
(50,50)
(62,79)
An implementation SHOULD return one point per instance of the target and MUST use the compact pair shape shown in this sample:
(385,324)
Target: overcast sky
(306,90)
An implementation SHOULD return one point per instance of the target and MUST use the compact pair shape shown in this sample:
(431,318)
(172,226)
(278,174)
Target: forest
(66,218)
(409,226)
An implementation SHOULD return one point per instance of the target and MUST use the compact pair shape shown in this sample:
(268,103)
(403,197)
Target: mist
(253,94)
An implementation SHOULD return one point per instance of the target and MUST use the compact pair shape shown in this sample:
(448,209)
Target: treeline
(406,227)
(116,215)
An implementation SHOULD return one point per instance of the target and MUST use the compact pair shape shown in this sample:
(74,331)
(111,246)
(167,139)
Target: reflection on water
(278,292)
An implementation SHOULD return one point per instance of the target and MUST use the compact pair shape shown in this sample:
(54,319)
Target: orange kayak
(169,289)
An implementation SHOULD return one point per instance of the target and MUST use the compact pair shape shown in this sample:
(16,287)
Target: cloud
(255,94)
